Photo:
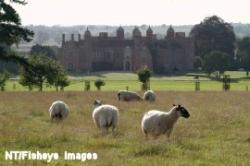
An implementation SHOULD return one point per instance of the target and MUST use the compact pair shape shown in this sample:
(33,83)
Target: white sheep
(58,110)
(105,116)
(156,122)
(149,95)
(125,95)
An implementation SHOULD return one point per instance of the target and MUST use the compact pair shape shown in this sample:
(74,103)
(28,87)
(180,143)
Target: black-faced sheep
(156,122)
(125,95)
(149,95)
(58,110)
(105,116)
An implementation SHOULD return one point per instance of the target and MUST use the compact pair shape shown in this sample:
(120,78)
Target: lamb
(125,95)
(156,122)
(58,110)
(149,95)
(105,116)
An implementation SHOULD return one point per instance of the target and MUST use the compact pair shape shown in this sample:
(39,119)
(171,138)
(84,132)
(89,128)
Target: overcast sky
(131,12)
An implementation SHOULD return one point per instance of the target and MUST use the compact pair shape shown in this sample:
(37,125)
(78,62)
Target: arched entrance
(127,63)
(127,66)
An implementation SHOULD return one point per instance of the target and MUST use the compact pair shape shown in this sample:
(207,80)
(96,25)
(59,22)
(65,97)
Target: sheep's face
(97,103)
(183,111)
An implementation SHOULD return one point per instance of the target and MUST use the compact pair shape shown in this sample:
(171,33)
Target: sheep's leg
(168,133)
(52,118)
(155,136)
(113,129)
(114,122)
(104,130)
(167,137)
(98,125)
(145,133)
(102,125)
(119,98)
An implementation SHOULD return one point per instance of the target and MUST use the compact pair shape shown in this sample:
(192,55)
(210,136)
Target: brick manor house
(116,53)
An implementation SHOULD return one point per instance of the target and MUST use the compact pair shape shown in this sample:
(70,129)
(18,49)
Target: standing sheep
(105,116)
(125,95)
(149,95)
(156,122)
(58,110)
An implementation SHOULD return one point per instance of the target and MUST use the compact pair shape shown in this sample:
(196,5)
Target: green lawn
(118,81)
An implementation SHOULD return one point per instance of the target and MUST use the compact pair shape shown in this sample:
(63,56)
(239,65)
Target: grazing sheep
(149,95)
(105,116)
(58,110)
(125,95)
(156,122)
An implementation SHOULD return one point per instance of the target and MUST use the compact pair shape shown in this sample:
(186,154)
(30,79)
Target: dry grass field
(217,133)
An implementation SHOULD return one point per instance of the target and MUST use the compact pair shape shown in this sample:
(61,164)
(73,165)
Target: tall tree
(216,61)
(244,53)
(45,50)
(213,34)
(43,70)
(61,81)
(11,31)
(197,63)
(57,76)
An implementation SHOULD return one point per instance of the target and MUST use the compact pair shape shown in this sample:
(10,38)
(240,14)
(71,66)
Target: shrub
(3,78)
(99,83)
(87,85)
(144,76)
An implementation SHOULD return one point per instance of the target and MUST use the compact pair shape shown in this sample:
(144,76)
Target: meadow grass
(217,133)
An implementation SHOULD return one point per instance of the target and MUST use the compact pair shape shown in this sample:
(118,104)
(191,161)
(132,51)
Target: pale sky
(131,12)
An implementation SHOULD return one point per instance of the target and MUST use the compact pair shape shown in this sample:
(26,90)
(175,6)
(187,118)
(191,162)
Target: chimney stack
(63,38)
(79,37)
(72,37)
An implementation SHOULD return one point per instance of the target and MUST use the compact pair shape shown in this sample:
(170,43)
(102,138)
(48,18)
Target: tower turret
(136,33)
(149,32)
(170,33)
(87,34)
(120,33)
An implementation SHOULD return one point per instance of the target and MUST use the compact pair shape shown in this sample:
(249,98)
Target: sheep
(156,122)
(105,116)
(149,95)
(125,95)
(58,110)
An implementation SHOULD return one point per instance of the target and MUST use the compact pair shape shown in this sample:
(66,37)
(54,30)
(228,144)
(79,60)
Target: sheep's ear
(95,102)
(179,106)
(174,105)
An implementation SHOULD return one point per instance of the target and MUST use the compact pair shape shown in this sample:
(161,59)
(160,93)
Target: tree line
(216,47)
